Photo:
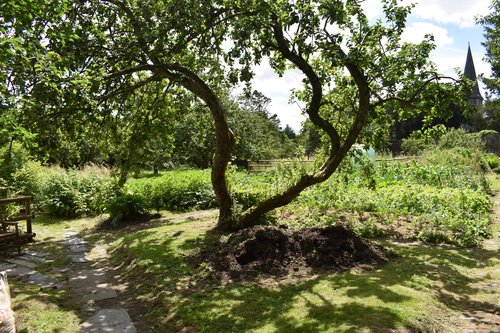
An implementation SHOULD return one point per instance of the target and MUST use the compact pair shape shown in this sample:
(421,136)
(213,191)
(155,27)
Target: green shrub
(62,193)
(493,161)
(463,157)
(176,190)
(435,174)
(439,138)
(125,206)
(61,196)
(413,145)
(95,190)
(458,138)
(30,179)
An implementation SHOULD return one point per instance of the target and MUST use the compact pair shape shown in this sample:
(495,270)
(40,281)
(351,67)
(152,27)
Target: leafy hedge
(65,193)
(176,190)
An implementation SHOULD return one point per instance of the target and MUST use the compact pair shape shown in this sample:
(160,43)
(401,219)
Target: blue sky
(452,22)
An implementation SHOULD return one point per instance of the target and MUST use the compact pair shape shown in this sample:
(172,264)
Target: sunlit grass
(494,180)
(43,311)
(440,280)
(423,279)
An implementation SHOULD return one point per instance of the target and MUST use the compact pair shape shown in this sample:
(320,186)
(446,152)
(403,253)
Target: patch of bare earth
(265,251)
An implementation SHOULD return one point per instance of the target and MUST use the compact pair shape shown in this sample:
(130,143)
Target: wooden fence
(398,159)
(266,165)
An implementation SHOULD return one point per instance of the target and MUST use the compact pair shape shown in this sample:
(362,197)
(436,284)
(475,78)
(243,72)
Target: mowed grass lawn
(426,288)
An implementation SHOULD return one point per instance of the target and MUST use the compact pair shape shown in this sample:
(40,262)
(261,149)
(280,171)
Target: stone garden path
(88,285)
(25,266)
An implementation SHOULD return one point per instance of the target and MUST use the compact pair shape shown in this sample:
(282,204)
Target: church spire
(470,73)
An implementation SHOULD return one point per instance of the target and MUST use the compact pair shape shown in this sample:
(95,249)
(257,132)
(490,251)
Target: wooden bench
(9,230)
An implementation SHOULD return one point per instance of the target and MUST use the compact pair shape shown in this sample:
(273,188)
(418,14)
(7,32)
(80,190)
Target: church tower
(470,73)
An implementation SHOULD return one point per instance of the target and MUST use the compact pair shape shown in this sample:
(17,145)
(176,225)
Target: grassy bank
(423,279)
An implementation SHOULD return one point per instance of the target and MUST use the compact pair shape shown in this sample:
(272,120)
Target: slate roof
(470,73)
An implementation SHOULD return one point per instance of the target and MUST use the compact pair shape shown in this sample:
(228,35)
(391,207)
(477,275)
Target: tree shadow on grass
(445,265)
(379,300)
(300,308)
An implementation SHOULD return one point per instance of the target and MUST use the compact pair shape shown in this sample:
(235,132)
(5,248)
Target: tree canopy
(491,23)
(99,61)
(490,117)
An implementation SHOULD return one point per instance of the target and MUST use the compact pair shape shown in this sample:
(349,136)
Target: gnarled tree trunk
(338,149)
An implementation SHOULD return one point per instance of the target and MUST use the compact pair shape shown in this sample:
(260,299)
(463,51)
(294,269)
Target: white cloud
(372,9)
(448,60)
(415,32)
(459,12)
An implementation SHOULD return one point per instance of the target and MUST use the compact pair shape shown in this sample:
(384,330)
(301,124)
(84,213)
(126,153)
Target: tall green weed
(64,193)
(449,200)
(176,190)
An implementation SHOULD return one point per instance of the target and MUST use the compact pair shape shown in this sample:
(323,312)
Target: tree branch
(135,25)
(338,150)
(120,91)
(140,68)
(224,137)
(317,95)
(415,94)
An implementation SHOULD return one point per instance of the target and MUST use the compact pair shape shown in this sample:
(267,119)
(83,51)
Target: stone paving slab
(87,277)
(109,320)
(37,278)
(44,281)
(78,248)
(19,271)
(74,241)
(61,270)
(79,258)
(21,262)
(34,259)
(36,254)
(95,293)
(90,308)
(6,265)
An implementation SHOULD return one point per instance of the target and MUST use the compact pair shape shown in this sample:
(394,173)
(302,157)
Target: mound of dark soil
(278,251)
